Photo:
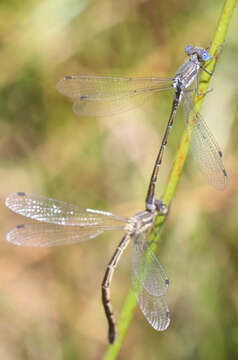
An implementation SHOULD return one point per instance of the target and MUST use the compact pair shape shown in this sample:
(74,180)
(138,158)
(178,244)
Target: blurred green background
(50,299)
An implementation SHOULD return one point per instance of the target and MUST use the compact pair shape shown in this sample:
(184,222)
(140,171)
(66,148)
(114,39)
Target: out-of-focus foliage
(50,298)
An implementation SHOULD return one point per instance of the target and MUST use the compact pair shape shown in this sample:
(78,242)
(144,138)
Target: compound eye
(187,49)
(205,55)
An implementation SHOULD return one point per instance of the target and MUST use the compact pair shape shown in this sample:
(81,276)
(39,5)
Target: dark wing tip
(20,226)
(21,193)
(68,77)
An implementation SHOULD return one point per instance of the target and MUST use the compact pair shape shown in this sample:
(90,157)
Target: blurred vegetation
(50,299)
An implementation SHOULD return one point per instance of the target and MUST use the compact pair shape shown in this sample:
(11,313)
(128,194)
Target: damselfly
(106,95)
(60,223)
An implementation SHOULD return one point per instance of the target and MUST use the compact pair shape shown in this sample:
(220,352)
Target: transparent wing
(154,308)
(108,107)
(147,269)
(45,235)
(108,87)
(205,147)
(106,95)
(53,211)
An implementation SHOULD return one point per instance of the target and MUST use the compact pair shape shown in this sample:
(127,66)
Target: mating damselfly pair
(61,223)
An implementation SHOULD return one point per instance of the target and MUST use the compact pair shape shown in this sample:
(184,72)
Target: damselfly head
(202,54)
(205,56)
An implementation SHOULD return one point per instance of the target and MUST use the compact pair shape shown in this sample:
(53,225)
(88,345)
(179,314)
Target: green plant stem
(175,173)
